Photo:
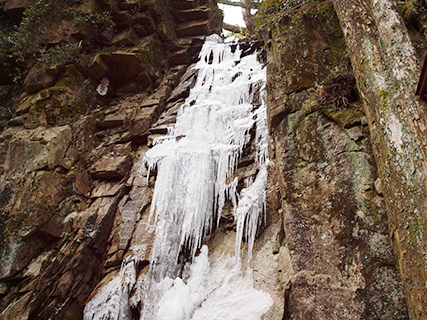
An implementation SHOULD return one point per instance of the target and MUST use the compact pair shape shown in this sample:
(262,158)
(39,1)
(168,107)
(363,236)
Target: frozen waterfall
(195,164)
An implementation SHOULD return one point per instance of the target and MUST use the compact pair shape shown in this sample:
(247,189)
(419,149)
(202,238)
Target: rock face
(74,201)
(332,254)
(393,109)
(67,155)
(15,8)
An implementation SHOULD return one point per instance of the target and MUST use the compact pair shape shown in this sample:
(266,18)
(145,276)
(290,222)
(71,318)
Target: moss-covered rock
(335,226)
(348,117)
(307,43)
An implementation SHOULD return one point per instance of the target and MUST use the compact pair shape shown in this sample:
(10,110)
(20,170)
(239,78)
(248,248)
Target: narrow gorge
(154,168)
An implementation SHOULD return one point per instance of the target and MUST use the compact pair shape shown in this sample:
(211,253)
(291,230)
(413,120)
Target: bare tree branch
(233,28)
(232,3)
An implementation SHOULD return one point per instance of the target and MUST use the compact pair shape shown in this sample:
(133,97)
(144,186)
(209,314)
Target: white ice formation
(194,162)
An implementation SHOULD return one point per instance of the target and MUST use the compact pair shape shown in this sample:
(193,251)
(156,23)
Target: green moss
(311,31)
(346,118)
(23,46)
(150,53)
(383,94)
(309,105)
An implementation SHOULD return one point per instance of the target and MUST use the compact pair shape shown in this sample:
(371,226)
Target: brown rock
(106,189)
(181,57)
(29,150)
(200,13)
(19,309)
(18,253)
(111,167)
(272,271)
(126,38)
(143,120)
(129,5)
(194,28)
(83,183)
(183,5)
(24,106)
(182,90)
(113,120)
(332,250)
(18,121)
(37,79)
(98,68)
(70,157)
(140,30)
(122,17)
(15,8)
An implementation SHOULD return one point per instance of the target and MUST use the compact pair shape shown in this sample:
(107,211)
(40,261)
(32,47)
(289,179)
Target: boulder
(37,80)
(15,8)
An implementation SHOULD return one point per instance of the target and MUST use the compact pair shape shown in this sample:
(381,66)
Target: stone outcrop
(15,8)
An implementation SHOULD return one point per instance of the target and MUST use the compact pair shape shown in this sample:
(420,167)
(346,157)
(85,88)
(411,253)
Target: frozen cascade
(194,163)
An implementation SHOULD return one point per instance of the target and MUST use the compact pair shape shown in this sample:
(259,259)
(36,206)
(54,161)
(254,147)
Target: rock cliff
(87,90)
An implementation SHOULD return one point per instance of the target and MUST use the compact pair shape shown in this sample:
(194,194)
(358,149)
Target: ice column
(195,164)
(201,153)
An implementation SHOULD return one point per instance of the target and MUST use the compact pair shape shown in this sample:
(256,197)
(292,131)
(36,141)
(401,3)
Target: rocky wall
(330,248)
(67,152)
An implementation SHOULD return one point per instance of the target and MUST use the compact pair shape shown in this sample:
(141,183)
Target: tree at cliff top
(385,67)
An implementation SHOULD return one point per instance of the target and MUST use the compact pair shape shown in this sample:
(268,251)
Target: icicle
(196,162)
(215,288)
(111,301)
(251,205)
(202,151)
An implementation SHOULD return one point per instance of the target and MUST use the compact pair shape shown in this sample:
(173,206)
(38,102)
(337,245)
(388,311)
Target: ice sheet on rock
(195,164)
(111,301)
(202,150)
(212,289)
(251,205)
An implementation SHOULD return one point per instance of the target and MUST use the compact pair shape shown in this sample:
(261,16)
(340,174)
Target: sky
(232,15)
